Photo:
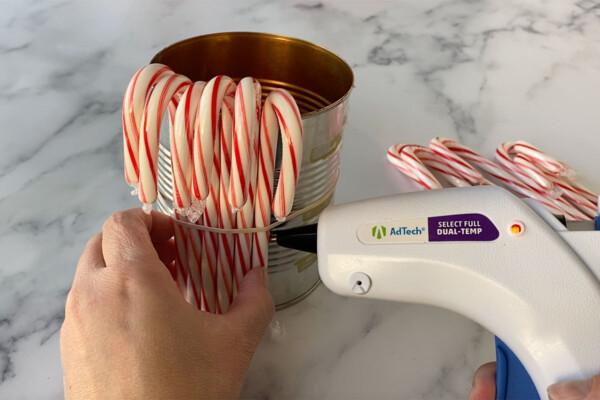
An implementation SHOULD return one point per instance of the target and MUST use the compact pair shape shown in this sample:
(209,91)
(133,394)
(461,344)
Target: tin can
(321,83)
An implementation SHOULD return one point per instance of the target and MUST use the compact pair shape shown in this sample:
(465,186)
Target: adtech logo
(404,230)
(379,231)
(388,232)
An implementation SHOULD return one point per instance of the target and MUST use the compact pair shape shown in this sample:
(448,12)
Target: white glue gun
(503,262)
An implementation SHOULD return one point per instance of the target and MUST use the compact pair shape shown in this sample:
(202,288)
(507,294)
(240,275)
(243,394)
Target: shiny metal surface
(320,82)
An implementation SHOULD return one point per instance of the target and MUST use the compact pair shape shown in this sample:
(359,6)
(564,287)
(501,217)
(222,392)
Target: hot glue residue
(277,331)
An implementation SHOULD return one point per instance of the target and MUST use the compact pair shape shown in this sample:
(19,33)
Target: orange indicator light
(516,228)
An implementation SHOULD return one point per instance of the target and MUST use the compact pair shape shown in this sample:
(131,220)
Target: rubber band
(317,203)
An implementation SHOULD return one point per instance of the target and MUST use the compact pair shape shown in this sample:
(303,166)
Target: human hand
(129,333)
(484,387)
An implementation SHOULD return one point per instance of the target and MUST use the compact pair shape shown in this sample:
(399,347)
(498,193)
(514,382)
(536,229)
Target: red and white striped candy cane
(182,139)
(441,166)
(245,216)
(263,197)
(538,179)
(583,191)
(245,219)
(414,161)
(290,124)
(524,170)
(555,168)
(157,103)
(450,149)
(448,146)
(182,135)
(560,183)
(542,159)
(523,163)
(210,242)
(457,163)
(247,114)
(206,134)
(133,107)
(402,156)
(451,159)
(572,195)
(225,262)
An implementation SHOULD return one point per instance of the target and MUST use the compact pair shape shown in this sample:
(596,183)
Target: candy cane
(247,114)
(403,157)
(133,107)
(205,270)
(182,139)
(210,242)
(290,125)
(450,149)
(206,134)
(267,146)
(524,170)
(572,195)
(156,105)
(458,164)
(245,219)
(555,168)
(561,187)
(446,147)
(244,169)
(440,165)
(583,191)
(542,159)
(225,261)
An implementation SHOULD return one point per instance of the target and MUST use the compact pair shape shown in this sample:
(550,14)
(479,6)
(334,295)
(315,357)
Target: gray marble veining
(481,72)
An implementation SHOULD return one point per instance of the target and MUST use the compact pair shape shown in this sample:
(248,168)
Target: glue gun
(504,262)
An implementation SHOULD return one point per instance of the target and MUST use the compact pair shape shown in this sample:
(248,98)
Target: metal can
(320,82)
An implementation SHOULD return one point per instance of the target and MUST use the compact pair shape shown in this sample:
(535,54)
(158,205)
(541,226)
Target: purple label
(461,228)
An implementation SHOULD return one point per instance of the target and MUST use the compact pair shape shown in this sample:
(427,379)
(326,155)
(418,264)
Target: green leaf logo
(378,231)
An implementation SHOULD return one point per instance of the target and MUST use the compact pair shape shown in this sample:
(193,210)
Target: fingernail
(572,390)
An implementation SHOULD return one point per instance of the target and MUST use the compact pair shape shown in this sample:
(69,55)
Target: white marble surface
(479,71)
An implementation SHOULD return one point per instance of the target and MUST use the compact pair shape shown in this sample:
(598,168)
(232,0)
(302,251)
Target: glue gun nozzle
(303,238)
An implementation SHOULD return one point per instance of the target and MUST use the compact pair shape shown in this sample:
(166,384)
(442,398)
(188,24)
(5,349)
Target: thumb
(575,390)
(484,383)
(253,307)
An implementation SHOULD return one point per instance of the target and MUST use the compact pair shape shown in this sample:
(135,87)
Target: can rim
(157,58)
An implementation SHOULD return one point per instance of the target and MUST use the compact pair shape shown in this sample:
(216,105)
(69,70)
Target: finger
(129,236)
(162,228)
(253,307)
(91,260)
(575,390)
(172,268)
(92,257)
(166,251)
(484,383)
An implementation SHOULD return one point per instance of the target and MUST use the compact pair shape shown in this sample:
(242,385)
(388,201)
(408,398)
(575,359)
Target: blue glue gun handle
(512,380)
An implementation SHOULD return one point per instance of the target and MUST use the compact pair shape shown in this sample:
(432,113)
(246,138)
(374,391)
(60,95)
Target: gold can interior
(317,78)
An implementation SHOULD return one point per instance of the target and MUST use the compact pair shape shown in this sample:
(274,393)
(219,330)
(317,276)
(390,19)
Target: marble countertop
(480,72)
